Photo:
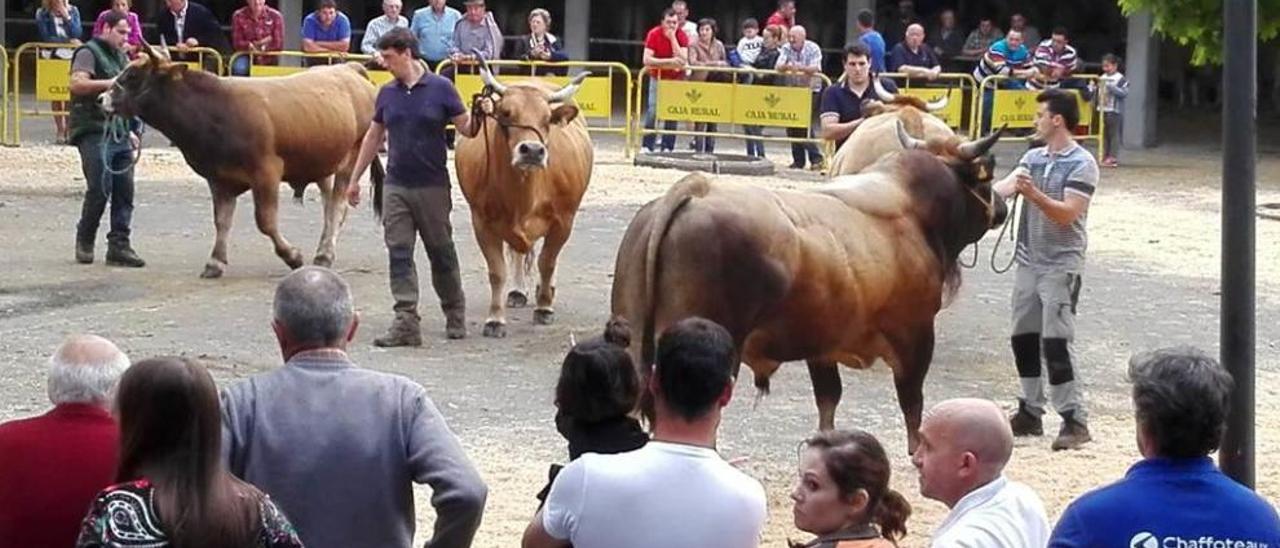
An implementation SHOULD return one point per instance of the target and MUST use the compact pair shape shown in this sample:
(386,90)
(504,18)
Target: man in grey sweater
(338,447)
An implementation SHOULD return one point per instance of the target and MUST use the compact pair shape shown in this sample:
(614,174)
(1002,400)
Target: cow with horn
(847,273)
(524,175)
(872,134)
(250,134)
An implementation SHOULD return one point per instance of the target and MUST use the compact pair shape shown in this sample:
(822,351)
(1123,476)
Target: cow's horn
(882,93)
(164,50)
(940,104)
(908,142)
(487,76)
(974,149)
(566,92)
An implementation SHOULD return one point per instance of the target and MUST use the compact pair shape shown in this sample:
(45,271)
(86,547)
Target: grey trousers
(1113,123)
(1044,312)
(407,215)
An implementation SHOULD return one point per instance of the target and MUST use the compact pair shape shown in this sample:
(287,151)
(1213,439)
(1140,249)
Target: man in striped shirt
(379,26)
(1056,182)
(1055,61)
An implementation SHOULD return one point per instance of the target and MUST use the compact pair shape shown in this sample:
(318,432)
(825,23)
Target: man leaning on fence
(255,28)
(105,146)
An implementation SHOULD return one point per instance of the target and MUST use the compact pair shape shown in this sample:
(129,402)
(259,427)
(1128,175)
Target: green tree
(1198,23)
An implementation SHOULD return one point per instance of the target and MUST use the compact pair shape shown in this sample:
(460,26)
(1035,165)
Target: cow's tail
(378,175)
(692,186)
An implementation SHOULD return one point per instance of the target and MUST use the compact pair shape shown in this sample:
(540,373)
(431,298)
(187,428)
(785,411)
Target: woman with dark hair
(707,51)
(172,489)
(843,494)
(597,390)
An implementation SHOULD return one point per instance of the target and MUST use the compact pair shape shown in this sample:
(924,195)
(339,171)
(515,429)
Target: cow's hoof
(544,316)
(294,260)
(212,270)
(323,260)
(516,299)
(494,329)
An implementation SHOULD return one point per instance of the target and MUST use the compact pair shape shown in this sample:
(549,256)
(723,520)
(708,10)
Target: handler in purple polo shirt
(415,108)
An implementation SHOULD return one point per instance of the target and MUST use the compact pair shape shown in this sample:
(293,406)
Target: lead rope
(1012,218)
(114,132)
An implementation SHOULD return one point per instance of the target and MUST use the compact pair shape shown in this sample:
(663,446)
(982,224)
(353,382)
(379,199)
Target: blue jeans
(240,67)
(102,187)
(650,120)
(705,144)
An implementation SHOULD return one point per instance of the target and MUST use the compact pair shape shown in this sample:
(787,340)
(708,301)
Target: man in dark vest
(106,147)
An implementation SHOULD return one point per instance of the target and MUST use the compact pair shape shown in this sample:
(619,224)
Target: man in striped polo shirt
(1056,182)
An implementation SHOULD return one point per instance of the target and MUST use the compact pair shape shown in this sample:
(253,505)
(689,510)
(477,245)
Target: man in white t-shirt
(689,27)
(964,447)
(676,491)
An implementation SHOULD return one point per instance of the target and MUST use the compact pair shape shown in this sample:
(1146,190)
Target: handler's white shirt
(1000,514)
(661,495)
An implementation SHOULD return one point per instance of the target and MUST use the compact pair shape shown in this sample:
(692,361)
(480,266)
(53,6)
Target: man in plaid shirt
(256,27)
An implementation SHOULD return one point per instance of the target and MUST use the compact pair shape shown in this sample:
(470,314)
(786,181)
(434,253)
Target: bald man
(964,447)
(913,57)
(51,466)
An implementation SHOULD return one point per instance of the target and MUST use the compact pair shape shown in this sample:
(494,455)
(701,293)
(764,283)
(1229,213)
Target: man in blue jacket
(1175,496)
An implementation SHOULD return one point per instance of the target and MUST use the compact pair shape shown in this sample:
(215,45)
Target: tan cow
(524,176)
(876,137)
(845,273)
(249,134)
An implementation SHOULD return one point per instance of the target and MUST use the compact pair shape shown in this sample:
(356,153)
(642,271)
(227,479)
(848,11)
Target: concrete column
(1141,62)
(291,11)
(577,28)
(851,18)
(4,22)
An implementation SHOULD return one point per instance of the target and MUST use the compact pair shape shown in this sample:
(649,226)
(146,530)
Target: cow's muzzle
(530,155)
(104,101)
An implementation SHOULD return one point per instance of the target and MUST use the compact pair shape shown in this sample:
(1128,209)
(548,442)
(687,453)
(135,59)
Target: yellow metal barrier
(4,96)
(961,88)
(378,77)
(731,103)
(53,78)
(594,98)
(1017,108)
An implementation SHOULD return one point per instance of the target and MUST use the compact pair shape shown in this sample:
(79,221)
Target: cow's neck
(182,115)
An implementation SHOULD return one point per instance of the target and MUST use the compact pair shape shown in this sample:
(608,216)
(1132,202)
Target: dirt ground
(1151,281)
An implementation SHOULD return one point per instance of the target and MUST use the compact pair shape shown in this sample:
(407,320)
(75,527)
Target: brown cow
(249,134)
(523,177)
(877,137)
(845,273)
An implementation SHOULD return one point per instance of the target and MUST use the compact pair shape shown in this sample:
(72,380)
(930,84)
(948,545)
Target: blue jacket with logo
(1170,503)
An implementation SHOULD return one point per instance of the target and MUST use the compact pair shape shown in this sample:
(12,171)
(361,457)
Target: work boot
(84,252)
(404,331)
(1072,435)
(1026,423)
(123,255)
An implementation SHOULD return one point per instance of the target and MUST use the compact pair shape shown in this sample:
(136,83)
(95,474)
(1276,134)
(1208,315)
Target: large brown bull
(249,134)
(846,273)
(524,176)
(877,136)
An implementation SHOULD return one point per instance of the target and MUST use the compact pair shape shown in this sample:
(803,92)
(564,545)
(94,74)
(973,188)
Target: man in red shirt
(51,466)
(256,28)
(666,53)
(785,17)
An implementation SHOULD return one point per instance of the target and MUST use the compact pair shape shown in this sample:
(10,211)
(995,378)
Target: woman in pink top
(135,28)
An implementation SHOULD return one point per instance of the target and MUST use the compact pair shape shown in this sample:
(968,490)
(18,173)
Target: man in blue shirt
(326,31)
(841,111)
(433,26)
(868,35)
(414,109)
(1175,496)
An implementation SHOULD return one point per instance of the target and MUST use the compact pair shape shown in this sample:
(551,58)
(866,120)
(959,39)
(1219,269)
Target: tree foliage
(1198,23)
